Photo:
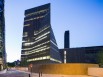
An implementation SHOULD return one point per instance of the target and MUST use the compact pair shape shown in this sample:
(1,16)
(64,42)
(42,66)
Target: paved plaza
(16,73)
(13,73)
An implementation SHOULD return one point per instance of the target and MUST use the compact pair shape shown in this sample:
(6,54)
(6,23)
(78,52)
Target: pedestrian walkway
(29,74)
(55,75)
(51,75)
(3,71)
(13,73)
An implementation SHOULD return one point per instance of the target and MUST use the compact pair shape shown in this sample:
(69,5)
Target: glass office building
(2,36)
(38,44)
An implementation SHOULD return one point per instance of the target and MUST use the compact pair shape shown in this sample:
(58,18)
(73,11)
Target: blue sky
(83,18)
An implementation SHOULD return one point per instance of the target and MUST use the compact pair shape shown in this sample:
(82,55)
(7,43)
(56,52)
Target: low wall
(66,69)
(95,72)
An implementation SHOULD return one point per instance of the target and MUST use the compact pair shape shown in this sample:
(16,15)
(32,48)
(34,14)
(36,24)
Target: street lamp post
(31,65)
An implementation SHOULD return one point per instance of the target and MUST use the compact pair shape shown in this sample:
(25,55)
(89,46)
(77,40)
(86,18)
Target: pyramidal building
(38,43)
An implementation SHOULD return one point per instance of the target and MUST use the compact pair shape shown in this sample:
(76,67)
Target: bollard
(39,74)
(29,75)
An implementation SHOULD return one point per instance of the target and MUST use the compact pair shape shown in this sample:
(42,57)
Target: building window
(25,34)
(65,56)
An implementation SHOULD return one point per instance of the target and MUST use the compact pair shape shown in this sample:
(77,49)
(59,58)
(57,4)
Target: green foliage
(24,63)
(100,58)
(11,64)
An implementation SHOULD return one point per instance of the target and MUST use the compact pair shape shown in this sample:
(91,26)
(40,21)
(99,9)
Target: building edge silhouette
(2,37)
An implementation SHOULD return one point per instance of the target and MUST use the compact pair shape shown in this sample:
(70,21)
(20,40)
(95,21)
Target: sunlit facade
(38,44)
(2,36)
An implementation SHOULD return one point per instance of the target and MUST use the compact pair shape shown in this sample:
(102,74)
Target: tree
(24,63)
(11,64)
(100,58)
